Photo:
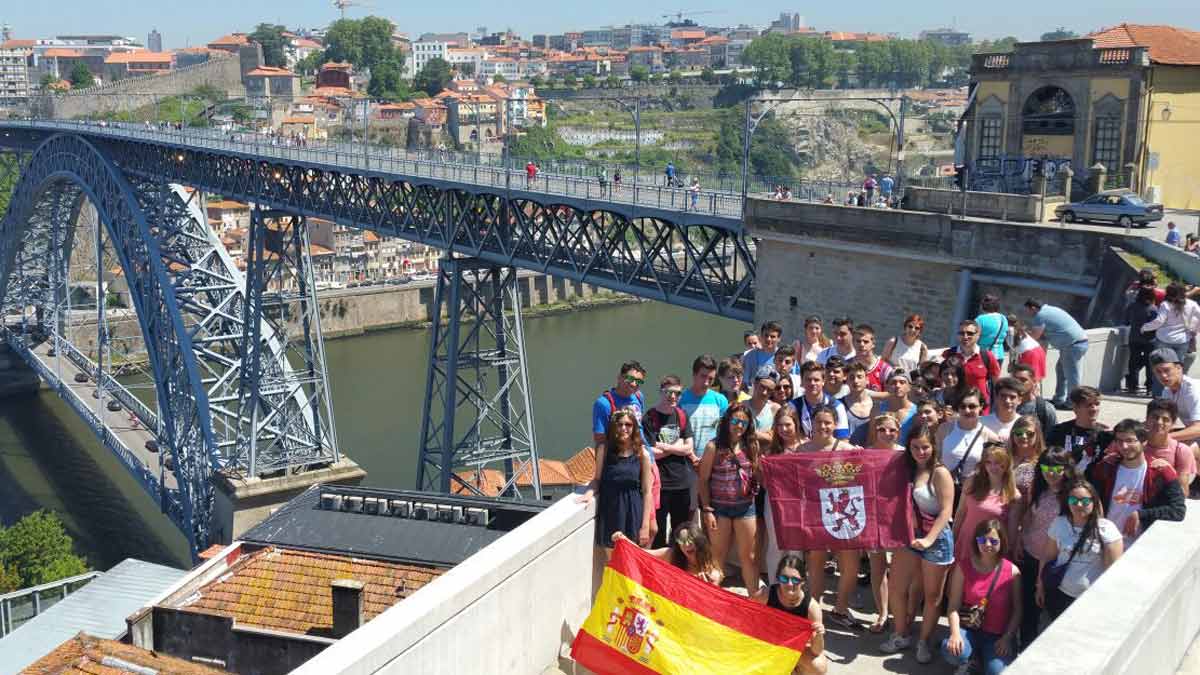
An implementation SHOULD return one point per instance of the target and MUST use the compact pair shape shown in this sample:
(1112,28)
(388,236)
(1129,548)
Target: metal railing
(18,607)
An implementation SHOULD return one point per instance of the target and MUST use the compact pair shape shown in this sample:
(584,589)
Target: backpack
(612,402)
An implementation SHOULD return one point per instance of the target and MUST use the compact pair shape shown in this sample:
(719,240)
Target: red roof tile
(86,655)
(1168,45)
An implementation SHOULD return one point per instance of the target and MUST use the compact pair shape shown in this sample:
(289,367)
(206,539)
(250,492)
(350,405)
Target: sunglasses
(685,540)
(639,381)
(988,541)
(739,422)
(672,392)
(1052,470)
(1079,501)
(786,580)
(1023,434)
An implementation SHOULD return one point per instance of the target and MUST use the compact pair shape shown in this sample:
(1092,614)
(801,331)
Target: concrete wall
(1140,616)
(1021,208)
(1186,266)
(513,607)
(188,635)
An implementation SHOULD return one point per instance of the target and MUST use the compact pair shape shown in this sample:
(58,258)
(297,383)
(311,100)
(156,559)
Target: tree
(386,82)
(47,80)
(769,57)
(708,76)
(81,77)
(433,77)
(536,81)
(363,42)
(675,77)
(589,81)
(639,74)
(499,79)
(570,80)
(311,64)
(771,151)
(270,38)
(812,62)
(1059,33)
(38,550)
(612,82)
(1004,44)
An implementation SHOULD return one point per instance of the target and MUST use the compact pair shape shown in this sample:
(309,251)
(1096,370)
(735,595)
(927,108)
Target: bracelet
(708,509)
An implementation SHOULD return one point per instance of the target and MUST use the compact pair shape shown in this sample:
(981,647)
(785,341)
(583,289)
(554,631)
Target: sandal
(844,620)
(879,626)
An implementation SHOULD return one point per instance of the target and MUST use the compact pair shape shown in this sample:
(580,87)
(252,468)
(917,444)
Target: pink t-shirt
(1178,454)
(999,603)
(1037,522)
(976,513)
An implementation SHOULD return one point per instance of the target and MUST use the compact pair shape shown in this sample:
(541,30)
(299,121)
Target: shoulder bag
(971,617)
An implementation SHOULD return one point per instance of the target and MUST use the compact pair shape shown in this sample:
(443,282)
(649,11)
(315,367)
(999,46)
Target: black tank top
(800,610)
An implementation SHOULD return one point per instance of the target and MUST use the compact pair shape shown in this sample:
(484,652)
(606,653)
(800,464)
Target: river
(49,459)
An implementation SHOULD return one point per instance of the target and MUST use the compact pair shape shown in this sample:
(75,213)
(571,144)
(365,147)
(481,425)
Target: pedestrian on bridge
(603,177)
(670,174)
(531,171)
(694,188)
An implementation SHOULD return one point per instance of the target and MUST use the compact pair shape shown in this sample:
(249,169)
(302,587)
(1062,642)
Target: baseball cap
(767,372)
(1163,355)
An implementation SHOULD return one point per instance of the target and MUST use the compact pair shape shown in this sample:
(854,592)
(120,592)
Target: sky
(191,22)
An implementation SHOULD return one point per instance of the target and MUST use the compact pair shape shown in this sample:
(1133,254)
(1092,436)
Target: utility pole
(900,145)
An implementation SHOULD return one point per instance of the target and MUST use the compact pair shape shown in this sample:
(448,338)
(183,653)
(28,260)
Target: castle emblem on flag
(843,511)
(631,628)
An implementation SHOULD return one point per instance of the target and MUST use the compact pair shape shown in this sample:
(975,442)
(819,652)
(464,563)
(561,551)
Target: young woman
(1039,507)
(1178,318)
(814,342)
(623,481)
(984,582)
(690,551)
(727,486)
(927,560)
(789,594)
(960,440)
(824,424)
(1080,541)
(784,392)
(785,439)
(1026,444)
(954,383)
(884,433)
(991,493)
(993,327)
(906,351)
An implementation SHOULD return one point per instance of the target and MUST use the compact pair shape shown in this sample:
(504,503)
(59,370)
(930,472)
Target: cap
(767,372)
(1163,355)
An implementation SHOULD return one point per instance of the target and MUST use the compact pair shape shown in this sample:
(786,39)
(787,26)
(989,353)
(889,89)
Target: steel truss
(477,410)
(688,259)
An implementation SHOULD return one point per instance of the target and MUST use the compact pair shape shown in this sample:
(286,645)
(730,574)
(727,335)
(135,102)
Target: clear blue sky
(193,22)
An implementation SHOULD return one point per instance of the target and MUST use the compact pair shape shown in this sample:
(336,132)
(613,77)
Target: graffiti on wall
(1015,174)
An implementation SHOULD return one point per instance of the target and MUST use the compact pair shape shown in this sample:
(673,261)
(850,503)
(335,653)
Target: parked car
(1122,207)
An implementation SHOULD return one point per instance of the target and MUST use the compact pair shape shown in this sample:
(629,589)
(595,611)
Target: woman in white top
(1084,541)
(907,352)
(1177,316)
(814,342)
(960,441)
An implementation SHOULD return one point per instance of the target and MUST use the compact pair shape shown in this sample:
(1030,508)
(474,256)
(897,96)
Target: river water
(49,458)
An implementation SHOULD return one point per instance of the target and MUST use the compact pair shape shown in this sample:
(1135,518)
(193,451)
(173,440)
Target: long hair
(982,529)
(1091,529)
(1053,456)
(927,432)
(1027,422)
(981,485)
(1176,296)
(612,444)
(823,339)
(704,555)
(784,412)
(748,438)
(952,395)
(872,428)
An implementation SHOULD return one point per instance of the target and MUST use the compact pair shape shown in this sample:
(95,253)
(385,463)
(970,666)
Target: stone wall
(1021,208)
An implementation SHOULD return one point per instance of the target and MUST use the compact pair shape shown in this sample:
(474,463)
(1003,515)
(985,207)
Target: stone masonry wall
(223,73)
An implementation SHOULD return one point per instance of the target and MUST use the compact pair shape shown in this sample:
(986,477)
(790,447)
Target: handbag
(971,617)
(1054,573)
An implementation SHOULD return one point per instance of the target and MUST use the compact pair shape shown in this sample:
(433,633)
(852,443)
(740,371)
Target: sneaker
(924,655)
(965,668)
(896,643)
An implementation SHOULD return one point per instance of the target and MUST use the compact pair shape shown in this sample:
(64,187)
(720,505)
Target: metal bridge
(236,360)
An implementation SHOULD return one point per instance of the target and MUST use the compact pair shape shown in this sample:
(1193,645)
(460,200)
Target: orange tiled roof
(683,34)
(317,250)
(231,39)
(300,119)
(370,237)
(18,44)
(228,204)
(141,56)
(270,71)
(335,92)
(335,65)
(58,52)
(1168,45)
(85,655)
(289,590)
(306,43)
(582,465)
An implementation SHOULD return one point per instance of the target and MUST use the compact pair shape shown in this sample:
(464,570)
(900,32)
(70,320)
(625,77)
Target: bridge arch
(66,167)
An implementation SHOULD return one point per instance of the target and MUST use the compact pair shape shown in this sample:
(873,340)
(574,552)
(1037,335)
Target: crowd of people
(1017,513)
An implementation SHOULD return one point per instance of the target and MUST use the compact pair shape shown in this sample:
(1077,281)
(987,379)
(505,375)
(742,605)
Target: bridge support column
(477,432)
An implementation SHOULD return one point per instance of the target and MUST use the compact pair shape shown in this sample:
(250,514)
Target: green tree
(612,82)
(38,550)
(771,149)
(311,64)
(639,74)
(270,37)
(386,82)
(874,64)
(675,77)
(570,80)
(909,61)
(1004,44)
(363,42)
(812,62)
(81,77)
(433,77)
(9,580)
(708,76)
(47,80)
(589,81)
(499,79)
(536,81)
(770,58)
(1059,33)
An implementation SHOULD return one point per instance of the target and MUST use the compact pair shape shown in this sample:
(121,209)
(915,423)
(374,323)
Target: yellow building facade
(1126,98)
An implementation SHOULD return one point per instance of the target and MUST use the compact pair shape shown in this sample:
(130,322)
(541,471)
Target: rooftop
(141,56)
(270,71)
(88,655)
(1168,45)
(288,590)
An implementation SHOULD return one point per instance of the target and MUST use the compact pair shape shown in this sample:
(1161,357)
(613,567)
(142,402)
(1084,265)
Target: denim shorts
(942,551)
(736,512)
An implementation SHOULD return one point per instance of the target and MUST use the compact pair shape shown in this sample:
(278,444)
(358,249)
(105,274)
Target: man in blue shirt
(885,188)
(627,394)
(764,354)
(1063,333)
(704,406)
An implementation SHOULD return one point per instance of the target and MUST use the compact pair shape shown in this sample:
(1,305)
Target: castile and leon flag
(844,500)
(652,617)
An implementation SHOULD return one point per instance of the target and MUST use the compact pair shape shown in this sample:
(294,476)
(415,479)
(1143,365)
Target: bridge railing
(143,412)
(19,607)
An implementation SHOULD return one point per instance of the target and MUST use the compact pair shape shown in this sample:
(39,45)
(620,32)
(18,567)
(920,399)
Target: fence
(19,607)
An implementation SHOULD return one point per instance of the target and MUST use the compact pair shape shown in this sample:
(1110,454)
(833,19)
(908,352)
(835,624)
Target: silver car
(1117,206)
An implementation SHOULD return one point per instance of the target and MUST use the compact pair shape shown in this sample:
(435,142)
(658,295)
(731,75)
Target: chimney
(347,606)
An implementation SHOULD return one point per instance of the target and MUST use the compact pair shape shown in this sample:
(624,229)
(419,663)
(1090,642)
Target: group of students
(1010,504)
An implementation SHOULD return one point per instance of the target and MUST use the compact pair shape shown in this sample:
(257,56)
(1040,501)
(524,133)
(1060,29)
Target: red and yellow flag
(652,617)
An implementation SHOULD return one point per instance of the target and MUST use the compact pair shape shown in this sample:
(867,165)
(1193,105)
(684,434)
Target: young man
(877,369)
(626,394)
(980,365)
(785,365)
(1084,437)
(812,379)
(666,425)
(703,405)
(843,342)
(1160,418)
(858,403)
(1032,403)
(1004,409)
(1182,390)
(750,342)
(835,378)
(1065,334)
(1136,492)
(764,354)
(1172,238)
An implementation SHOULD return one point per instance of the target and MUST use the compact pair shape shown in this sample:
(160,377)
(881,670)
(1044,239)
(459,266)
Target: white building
(423,52)
(503,66)
(14,76)
(461,57)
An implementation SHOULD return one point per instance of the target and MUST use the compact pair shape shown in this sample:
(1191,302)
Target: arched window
(1049,110)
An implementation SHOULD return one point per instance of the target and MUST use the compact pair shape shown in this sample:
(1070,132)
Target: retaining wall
(1021,208)
(225,74)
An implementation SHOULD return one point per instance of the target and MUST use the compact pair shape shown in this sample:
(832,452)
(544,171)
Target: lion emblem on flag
(843,511)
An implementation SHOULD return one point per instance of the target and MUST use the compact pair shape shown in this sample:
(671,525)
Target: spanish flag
(652,617)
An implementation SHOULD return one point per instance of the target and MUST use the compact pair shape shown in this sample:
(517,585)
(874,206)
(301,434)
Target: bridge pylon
(478,414)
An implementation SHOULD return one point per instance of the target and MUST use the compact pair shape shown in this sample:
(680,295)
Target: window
(1107,143)
(989,137)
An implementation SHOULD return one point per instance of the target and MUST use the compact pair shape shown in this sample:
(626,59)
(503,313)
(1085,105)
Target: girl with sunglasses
(906,351)
(991,493)
(690,551)
(788,594)
(1050,472)
(729,481)
(984,608)
(1083,542)
(624,483)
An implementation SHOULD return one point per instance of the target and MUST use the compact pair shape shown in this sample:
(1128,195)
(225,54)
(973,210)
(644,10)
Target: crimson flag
(843,500)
